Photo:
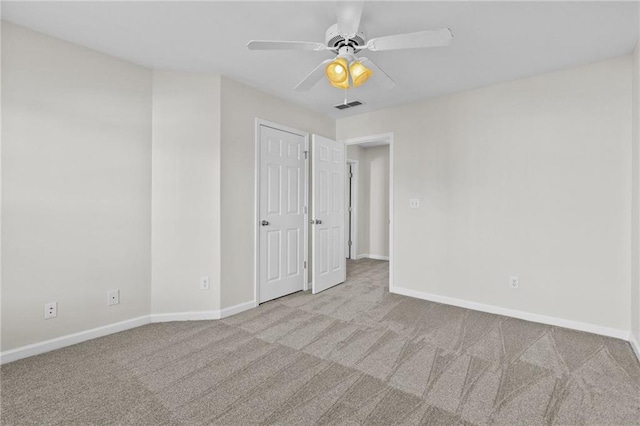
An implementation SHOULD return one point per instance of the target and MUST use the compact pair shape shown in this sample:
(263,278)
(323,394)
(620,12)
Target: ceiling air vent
(348,105)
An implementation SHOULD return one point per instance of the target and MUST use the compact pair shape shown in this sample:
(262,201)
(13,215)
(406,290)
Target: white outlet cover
(514,282)
(50,310)
(113,297)
(204,283)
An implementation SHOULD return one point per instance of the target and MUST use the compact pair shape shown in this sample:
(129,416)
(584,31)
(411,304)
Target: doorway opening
(369,197)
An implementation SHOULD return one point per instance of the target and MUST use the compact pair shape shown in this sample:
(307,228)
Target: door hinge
(305,264)
(350,243)
(305,154)
(350,175)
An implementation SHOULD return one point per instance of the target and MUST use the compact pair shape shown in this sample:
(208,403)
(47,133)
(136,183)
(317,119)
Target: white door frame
(354,210)
(256,214)
(387,138)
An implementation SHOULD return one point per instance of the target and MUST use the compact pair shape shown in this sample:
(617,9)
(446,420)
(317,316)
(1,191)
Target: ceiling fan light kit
(346,38)
(345,67)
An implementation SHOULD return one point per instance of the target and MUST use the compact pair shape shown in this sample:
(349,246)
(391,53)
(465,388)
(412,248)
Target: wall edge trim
(105,330)
(214,314)
(71,339)
(236,309)
(372,256)
(514,313)
(635,345)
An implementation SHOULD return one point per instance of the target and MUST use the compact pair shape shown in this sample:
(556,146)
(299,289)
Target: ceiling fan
(346,38)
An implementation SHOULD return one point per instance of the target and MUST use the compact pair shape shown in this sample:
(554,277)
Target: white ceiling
(493,41)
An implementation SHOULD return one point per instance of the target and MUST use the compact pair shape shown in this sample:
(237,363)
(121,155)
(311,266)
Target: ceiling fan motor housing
(335,40)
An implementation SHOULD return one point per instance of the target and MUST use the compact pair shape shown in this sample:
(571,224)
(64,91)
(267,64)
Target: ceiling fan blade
(312,78)
(435,38)
(349,14)
(284,45)
(379,77)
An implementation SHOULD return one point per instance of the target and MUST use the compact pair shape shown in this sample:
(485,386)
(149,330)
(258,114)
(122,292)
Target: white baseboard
(372,256)
(635,345)
(236,309)
(543,319)
(203,315)
(186,316)
(71,339)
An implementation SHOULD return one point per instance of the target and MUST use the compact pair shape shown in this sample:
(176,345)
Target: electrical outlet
(514,282)
(414,203)
(204,283)
(113,297)
(50,310)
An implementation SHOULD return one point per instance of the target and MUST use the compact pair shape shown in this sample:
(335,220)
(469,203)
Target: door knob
(318,222)
(265,223)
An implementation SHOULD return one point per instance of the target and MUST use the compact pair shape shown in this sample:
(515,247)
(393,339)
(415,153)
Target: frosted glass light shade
(359,73)
(338,73)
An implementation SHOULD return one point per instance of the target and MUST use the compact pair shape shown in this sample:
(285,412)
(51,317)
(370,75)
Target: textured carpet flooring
(354,354)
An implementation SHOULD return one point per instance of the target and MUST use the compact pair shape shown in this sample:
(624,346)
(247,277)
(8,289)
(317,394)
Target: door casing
(256,216)
(353,185)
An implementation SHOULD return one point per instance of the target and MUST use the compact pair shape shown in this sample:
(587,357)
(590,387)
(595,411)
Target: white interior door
(328,216)
(282,215)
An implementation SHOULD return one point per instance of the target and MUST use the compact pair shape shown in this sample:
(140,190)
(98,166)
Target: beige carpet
(354,354)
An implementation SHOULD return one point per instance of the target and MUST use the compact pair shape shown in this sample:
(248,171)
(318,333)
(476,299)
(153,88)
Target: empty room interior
(320,212)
